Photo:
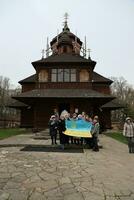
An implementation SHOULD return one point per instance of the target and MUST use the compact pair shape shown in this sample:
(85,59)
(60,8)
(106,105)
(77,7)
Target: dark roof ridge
(28,79)
(61,58)
(63,93)
(70,34)
(98,76)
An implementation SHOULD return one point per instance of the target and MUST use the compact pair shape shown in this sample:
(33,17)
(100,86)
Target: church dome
(65,39)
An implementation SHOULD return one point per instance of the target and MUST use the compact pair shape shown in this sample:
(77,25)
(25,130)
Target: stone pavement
(47,173)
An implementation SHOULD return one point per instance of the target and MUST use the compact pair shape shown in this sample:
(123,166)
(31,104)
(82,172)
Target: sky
(107,24)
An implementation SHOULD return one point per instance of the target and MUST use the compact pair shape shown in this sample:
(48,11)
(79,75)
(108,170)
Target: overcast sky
(107,24)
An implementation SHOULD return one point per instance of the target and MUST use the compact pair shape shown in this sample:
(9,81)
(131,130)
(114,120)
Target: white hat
(53,116)
(128,118)
(79,116)
(96,117)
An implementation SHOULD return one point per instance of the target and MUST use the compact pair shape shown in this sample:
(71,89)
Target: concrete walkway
(42,172)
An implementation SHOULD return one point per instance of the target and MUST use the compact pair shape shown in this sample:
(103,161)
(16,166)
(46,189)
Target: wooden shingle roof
(17,104)
(70,34)
(64,58)
(99,78)
(96,78)
(113,105)
(62,93)
(29,79)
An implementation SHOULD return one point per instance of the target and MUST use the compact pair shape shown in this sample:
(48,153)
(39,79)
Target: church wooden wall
(28,86)
(106,118)
(102,88)
(44,109)
(65,85)
(27,118)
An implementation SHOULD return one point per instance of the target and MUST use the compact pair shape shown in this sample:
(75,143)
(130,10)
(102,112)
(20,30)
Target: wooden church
(64,80)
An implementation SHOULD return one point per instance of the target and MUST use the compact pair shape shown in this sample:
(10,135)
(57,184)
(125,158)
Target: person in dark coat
(62,128)
(95,133)
(53,126)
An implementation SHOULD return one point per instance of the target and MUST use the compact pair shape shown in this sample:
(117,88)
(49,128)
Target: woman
(62,127)
(53,126)
(128,132)
(95,133)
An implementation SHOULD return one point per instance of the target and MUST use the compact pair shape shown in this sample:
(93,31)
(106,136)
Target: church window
(66,75)
(73,75)
(60,75)
(54,75)
(63,75)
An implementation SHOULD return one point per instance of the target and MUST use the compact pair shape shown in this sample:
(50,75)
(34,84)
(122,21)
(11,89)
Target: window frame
(72,77)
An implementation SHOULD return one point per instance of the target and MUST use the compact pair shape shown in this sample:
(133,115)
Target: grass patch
(5,133)
(117,136)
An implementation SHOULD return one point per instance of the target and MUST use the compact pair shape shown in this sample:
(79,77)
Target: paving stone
(4,196)
(67,191)
(55,193)
(74,196)
(31,175)
(93,196)
(18,195)
(12,185)
(37,196)
(55,198)
(64,180)
(4,175)
(2,184)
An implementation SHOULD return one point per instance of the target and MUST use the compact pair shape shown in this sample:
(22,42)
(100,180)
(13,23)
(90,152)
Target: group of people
(58,125)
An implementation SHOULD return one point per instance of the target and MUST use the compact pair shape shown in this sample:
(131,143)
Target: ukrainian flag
(78,128)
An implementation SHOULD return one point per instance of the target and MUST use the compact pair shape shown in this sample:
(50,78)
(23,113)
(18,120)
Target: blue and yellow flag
(78,128)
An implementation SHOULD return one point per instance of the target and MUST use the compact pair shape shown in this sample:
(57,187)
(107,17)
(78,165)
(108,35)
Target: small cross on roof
(43,52)
(66,15)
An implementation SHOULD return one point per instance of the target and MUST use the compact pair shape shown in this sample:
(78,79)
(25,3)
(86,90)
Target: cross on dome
(66,29)
(66,15)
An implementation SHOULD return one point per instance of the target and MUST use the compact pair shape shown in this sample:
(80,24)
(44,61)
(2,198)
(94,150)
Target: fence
(9,123)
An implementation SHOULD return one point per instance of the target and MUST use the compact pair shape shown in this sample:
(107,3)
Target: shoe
(96,150)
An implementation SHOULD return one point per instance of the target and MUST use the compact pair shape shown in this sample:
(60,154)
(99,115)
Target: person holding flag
(78,128)
(95,133)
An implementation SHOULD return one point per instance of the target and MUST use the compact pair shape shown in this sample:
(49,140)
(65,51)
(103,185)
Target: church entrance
(63,106)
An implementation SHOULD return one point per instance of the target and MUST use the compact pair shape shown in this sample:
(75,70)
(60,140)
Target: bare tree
(6,92)
(125,95)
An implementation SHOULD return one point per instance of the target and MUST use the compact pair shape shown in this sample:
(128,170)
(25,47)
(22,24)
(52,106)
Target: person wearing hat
(64,139)
(53,126)
(128,132)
